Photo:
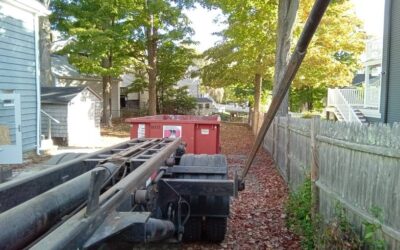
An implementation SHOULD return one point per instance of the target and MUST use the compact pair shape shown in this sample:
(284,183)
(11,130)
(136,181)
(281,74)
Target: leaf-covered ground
(257,216)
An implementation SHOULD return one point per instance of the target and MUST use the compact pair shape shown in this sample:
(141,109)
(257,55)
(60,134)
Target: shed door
(10,129)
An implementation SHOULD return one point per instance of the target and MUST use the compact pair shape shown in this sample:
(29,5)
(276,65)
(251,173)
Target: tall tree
(46,77)
(331,60)
(248,46)
(333,55)
(162,20)
(102,31)
(172,65)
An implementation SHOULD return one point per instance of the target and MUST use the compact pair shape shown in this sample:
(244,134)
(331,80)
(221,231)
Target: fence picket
(359,166)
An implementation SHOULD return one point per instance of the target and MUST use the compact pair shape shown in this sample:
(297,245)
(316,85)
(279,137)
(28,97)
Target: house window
(207,105)
(200,106)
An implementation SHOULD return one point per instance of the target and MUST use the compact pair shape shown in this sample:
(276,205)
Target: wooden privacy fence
(356,165)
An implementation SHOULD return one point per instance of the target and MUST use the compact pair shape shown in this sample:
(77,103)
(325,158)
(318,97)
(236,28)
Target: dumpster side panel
(183,130)
(201,134)
(139,130)
(188,136)
(206,141)
(155,130)
(134,130)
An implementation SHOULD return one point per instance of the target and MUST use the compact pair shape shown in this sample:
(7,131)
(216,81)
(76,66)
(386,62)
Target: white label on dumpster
(141,131)
(205,131)
(172,131)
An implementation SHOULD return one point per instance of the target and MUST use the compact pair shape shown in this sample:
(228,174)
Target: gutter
(37,69)
(386,63)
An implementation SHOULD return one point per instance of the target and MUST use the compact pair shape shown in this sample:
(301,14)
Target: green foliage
(298,210)
(307,98)
(177,101)
(112,37)
(338,233)
(172,65)
(101,31)
(333,55)
(247,49)
(372,236)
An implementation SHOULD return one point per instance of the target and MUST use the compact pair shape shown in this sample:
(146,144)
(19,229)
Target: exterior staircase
(344,102)
(361,116)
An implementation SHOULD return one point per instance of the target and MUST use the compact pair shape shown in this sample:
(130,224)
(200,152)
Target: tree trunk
(46,77)
(106,63)
(257,101)
(151,34)
(286,18)
(107,101)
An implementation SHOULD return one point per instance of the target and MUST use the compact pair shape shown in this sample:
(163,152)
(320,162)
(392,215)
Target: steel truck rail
(140,191)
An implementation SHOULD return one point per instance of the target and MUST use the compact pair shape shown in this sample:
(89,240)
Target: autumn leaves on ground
(257,218)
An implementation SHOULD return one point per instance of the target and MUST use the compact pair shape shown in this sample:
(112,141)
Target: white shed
(78,111)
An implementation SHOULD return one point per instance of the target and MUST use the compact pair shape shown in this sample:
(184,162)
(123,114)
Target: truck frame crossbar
(135,190)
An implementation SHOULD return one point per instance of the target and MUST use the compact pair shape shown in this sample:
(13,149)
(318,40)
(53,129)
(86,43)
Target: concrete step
(47,146)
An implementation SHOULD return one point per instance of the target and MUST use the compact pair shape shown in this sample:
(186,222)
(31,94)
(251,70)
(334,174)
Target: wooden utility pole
(293,66)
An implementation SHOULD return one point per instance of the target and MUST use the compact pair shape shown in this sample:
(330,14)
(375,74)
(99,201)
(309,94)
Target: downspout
(386,73)
(37,68)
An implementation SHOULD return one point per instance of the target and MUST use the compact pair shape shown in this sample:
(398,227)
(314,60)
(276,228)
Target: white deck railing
(372,96)
(337,99)
(354,97)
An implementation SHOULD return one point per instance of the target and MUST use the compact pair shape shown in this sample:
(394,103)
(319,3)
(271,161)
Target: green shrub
(298,210)
(338,233)
(372,237)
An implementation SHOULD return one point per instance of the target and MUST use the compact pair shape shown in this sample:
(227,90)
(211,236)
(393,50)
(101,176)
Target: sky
(203,23)
(370,11)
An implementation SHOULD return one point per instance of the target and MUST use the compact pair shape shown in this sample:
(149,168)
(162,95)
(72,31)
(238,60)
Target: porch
(355,104)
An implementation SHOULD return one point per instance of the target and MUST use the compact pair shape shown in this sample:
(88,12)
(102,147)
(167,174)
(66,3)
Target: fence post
(287,150)
(273,140)
(276,132)
(314,165)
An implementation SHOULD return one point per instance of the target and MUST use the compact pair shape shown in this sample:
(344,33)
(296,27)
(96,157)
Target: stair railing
(50,118)
(337,99)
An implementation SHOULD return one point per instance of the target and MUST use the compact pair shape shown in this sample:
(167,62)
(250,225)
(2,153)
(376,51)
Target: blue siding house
(390,94)
(19,78)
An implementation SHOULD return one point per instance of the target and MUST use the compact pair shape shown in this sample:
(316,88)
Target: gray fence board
(359,167)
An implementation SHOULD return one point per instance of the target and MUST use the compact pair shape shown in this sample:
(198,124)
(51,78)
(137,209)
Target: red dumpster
(201,133)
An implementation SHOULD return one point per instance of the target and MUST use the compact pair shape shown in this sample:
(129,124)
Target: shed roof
(61,95)
(61,67)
